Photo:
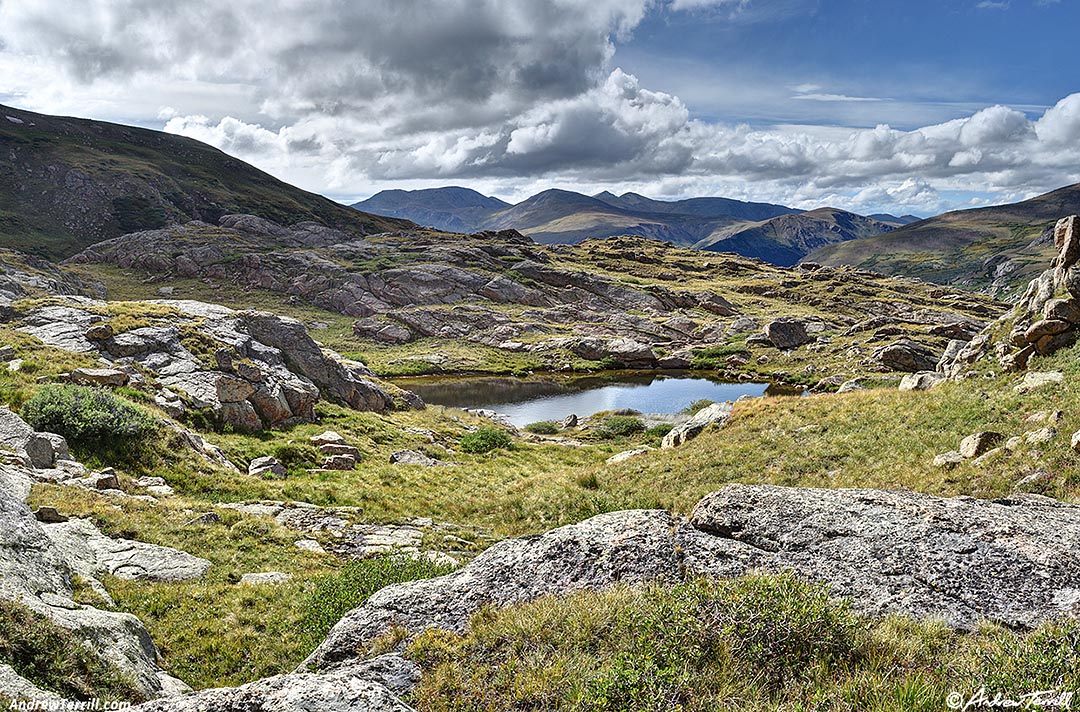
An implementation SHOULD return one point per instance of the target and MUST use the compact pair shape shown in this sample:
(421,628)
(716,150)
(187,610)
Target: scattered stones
(979,443)
(264,578)
(101,331)
(855,384)
(628,454)
(922,381)
(339,462)
(328,437)
(413,457)
(1013,444)
(49,515)
(1038,379)
(714,414)
(205,518)
(337,449)
(1042,435)
(38,450)
(155,486)
(310,546)
(267,467)
(948,460)
(1038,478)
(99,377)
(106,480)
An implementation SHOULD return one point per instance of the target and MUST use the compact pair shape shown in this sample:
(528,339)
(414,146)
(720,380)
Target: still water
(534,398)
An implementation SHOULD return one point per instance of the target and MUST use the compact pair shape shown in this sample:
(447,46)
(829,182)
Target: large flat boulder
(1015,561)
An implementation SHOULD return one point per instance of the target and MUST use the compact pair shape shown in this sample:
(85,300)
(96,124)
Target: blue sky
(904,107)
(925,61)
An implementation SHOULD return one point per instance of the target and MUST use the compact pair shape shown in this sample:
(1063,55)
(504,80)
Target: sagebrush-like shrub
(543,427)
(486,440)
(620,426)
(90,418)
(338,593)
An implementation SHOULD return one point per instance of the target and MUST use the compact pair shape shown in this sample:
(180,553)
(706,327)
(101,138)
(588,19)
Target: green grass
(755,643)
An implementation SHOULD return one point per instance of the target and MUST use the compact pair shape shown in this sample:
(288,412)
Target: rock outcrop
(559,304)
(249,369)
(713,414)
(36,572)
(1015,561)
(367,687)
(1045,319)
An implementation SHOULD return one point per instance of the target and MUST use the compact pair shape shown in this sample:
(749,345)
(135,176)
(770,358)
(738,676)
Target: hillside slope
(67,183)
(996,250)
(786,239)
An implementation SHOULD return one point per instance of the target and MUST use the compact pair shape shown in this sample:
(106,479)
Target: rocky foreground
(1015,561)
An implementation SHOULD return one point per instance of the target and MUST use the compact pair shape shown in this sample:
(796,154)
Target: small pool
(549,397)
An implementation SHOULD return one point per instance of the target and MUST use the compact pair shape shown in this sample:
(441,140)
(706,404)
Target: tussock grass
(755,643)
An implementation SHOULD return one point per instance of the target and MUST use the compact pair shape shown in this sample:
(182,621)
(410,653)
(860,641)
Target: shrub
(55,659)
(657,432)
(697,406)
(620,426)
(338,593)
(543,427)
(486,440)
(91,419)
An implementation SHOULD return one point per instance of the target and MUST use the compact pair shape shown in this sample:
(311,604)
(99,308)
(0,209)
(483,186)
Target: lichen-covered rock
(91,554)
(344,691)
(1015,561)
(627,547)
(907,356)
(787,333)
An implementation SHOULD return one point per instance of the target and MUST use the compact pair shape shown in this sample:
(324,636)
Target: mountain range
(69,183)
(774,233)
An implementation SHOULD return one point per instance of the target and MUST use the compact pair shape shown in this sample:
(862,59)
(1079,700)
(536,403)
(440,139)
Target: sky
(901,106)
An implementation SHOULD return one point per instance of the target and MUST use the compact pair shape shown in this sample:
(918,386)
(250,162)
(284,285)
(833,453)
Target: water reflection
(548,397)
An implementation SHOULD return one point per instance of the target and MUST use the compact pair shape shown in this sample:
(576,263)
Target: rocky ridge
(610,302)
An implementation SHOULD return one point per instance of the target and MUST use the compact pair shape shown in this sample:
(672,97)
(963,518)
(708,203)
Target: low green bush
(91,419)
(656,433)
(543,427)
(338,593)
(485,440)
(620,426)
